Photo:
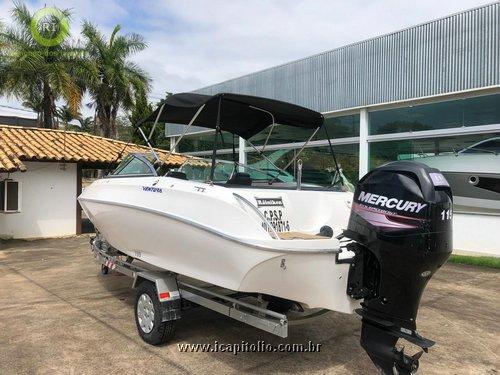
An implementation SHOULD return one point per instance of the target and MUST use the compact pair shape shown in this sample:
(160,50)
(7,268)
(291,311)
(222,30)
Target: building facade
(46,202)
(426,91)
(41,177)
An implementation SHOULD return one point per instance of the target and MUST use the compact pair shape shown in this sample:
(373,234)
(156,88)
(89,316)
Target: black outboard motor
(401,226)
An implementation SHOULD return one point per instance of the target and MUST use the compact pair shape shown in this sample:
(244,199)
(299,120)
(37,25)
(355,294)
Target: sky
(192,44)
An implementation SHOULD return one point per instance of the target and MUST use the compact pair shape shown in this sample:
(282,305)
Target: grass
(481,261)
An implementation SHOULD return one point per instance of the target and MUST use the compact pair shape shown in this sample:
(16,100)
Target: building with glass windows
(427,93)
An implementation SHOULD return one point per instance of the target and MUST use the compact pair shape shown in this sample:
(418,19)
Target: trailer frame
(173,291)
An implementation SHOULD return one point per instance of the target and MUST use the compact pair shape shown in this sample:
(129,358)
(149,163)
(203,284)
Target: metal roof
(455,53)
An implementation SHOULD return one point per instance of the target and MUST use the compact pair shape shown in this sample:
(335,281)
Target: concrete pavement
(58,314)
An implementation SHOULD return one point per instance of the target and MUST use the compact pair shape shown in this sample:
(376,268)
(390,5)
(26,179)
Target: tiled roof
(18,144)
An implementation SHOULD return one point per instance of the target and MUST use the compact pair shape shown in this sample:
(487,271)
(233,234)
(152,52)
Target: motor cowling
(401,224)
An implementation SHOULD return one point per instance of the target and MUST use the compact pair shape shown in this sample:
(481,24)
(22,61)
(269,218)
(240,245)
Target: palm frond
(21,15)
(96,44)
(124,46)
(115,31)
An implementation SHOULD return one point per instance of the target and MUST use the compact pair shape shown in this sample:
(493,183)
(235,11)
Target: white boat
(173,223)
(251,231)
(474,176)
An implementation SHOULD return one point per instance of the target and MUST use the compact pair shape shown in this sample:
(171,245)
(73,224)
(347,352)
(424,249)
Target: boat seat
(177,174)
(240,178)
(300,236)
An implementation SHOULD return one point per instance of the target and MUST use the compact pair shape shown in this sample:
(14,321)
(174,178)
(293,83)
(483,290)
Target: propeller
(404,364)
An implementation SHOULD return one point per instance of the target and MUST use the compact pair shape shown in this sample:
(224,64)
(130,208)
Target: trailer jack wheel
(148,316)
(104,269)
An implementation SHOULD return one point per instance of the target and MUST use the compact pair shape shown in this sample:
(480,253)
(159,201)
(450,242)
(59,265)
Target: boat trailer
(161,296)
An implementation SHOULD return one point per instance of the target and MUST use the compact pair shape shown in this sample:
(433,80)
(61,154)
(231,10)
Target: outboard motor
(401,226)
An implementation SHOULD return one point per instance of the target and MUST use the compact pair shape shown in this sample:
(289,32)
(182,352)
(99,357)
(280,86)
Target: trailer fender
(167,291)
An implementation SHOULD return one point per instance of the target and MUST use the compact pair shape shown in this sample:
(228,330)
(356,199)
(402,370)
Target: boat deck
(300,236)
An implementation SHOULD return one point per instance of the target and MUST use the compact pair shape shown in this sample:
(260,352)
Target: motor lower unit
(401,227)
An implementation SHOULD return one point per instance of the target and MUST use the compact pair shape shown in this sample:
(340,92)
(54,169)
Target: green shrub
(482,261)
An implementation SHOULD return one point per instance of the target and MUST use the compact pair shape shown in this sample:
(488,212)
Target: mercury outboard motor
(401,226)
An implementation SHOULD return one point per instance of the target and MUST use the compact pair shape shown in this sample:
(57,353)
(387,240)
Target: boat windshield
(135,165)
(261,172)
(489,146)
(225,169)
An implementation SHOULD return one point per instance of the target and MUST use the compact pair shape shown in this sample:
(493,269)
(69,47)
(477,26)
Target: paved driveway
(58,314)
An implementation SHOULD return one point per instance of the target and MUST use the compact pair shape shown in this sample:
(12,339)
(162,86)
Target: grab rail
(270,229)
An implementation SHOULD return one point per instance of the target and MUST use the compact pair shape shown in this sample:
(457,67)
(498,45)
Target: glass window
(482,110)
(133,165)
(319,168)
(205,142)
(228,157)
(338,127)
(281,134)
(423,149)
(469,168)
(341,127)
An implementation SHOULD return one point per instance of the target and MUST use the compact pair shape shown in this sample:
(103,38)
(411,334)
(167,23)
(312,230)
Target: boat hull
(474,180)
(300,270)
(470,196)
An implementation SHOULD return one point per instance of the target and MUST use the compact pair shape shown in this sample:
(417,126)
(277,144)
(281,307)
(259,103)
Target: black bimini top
(242,115)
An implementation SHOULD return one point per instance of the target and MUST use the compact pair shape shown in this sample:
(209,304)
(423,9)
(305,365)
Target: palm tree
(118,81)
(29,69)
(66,115)
(3,59)
(86,124)
(33,100)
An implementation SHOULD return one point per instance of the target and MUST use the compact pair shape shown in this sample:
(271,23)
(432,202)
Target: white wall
(476,233)
(48,202)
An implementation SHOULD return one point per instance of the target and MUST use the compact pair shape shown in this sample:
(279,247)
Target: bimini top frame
(242,115)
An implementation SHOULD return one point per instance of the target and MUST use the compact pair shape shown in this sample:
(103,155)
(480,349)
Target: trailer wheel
(104,269)
(148,316)
(279,305)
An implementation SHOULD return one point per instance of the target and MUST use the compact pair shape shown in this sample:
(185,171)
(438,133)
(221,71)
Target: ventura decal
(398,204)
(152,189)
(269,202)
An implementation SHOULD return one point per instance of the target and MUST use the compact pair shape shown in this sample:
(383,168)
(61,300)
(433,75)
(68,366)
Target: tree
(33,100)
(118,81)
(86,124)
(66,115)
(31,70)
(141,110)
(124,129)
